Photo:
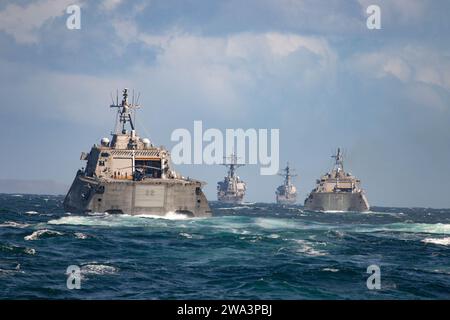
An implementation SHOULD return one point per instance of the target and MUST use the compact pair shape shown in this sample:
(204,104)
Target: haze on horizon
(309,68)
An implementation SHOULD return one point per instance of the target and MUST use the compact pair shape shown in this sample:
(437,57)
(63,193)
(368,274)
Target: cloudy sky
(310,68)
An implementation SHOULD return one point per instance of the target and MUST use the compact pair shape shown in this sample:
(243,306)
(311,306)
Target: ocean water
(251,251)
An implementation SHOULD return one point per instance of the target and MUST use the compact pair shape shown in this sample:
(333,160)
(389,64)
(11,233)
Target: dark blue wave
(252,251)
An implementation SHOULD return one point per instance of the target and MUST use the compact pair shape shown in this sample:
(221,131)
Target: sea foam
(439,241)
(13,224)
(44,233)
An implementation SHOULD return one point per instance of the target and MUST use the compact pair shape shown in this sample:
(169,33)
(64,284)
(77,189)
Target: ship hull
(330,201)
(286,201)
(230,199)
(153,196)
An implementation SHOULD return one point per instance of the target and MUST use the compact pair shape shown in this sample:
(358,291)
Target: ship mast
(125,112)
(232,165)
(338,166)
(287,175)
(339,161)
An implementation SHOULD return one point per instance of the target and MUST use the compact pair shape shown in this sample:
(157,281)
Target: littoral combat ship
(232,188)
(286,193)
(337,191)
(129,175)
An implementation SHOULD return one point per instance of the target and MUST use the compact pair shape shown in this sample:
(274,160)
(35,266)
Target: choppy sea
(251,251)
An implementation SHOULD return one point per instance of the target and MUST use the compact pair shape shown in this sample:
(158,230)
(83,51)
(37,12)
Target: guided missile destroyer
(286,193)
(337,191)
(130,175)
(232,188)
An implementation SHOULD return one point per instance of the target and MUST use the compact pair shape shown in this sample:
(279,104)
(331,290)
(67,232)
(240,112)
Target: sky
(310,68)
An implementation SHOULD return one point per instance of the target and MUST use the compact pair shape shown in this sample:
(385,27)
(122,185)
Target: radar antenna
(338,160)
(286,173)
(125,112)
(232,164)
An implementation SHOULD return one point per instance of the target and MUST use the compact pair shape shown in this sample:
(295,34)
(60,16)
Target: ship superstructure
(132,176)
(232,188)
(337,190)
(287,192)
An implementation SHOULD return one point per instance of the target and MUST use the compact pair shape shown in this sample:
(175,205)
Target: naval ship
(337,191)
(286,193)
(232,188)
(130,175)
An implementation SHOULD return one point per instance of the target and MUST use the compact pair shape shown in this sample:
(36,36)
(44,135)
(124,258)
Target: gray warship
(286,193)
(129,175)
(337,191)
(232,188)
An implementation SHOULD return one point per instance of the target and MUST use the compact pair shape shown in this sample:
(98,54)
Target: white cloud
(398,68)
(381,64)
(126,30)
(409,64)
(219,72)
(110,4)
(244,44)
(190,72)
(424,72)
(323,17)
(24,22)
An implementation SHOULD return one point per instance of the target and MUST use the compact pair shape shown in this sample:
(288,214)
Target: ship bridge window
(105,154)
(149,168)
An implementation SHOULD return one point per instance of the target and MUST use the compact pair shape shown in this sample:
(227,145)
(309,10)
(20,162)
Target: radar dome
(104,142)
(146,142)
